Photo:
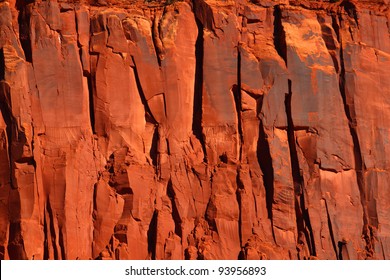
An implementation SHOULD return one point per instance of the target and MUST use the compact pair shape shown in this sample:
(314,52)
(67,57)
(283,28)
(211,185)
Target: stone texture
(196,129)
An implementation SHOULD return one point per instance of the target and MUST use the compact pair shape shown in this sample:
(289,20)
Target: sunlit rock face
(194,129)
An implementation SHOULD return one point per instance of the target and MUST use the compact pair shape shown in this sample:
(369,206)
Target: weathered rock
(194,129)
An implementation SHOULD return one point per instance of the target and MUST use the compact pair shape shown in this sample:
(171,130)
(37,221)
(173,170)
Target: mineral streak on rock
(196,129)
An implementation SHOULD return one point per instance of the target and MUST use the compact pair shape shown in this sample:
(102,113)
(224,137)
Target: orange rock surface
(196,129)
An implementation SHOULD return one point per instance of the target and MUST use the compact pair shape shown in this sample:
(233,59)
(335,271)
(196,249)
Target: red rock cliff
(195,129)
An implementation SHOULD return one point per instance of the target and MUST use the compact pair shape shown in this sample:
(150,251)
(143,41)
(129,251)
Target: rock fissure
(236,90)
(301,212)
(279,34)
(330,227)
(265,161)
(358,157)
(198,87)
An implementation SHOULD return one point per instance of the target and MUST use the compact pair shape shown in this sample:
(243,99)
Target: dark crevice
(303,223)
(148,113)
(148,117)
(348,103)
(252,20)
(20,4)
(326,34)
(165,105)
(331,45)
(198,88)
(168,149)
(16,249)
(336,27)
(301,212)
(2,252)
(241,255)
(279,34)
(371,238)
(204,14)
(61,244)
(239,191)
(330,227)
(265,161)
(117,254)
(154,147)
(78,31)
(152,236)
(16,139)
(343,251)
(125,190)
(91,91)
(24,31)
(224,158)
(351,11)
(52,230)
(175,211)
(64,9)
(308,230)
(155,36)
(94,202)
(237,96)
(10,122)
(46,239)
(296,172)
(2,65)
(236,89)
(340,246)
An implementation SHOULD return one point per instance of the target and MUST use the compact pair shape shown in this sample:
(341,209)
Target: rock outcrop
(196,129)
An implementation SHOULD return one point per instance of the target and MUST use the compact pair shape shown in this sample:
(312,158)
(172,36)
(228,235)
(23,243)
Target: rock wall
(197,129)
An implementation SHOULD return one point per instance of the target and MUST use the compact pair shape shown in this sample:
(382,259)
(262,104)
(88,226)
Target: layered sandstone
(197,129)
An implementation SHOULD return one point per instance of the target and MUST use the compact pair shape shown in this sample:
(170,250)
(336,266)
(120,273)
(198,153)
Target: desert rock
(194,129)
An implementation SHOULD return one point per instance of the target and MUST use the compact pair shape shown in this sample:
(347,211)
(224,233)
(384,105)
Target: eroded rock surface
(196,129)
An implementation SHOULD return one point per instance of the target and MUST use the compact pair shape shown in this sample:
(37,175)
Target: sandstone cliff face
(195,129)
